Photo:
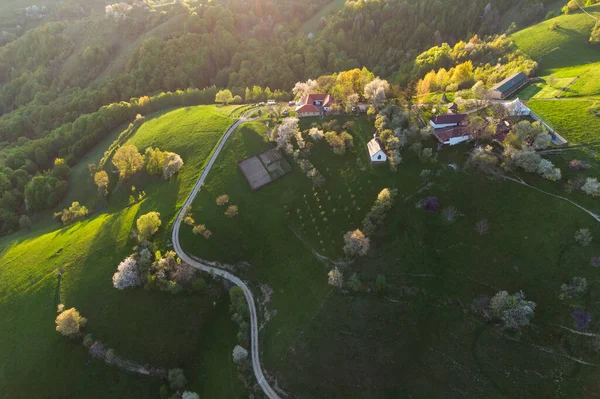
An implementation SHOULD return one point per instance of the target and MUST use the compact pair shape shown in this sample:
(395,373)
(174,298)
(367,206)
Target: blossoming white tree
(127,275)
(591,187)
(286,131)
(375,91)
(302,89)
(239,354)
(173,163)
(356,243)
(336,278)
(315,134)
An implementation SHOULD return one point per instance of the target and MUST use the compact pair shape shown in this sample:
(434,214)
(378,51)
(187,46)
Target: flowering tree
(70,322)
(316,134)
(375,91)
(232,210)
(591,187)
(514,311)
(302,89)
(222,199)
(583,237)
(177,379)
(356,243)
(575,287)
(127,275)
(172,164)
(336,278)
(239,354)
(190,395)
(285,132)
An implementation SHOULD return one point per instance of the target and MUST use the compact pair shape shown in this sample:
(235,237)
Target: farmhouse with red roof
(314,105)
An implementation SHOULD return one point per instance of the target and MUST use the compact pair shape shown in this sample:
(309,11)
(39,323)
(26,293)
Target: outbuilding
(508,86)
(376,152)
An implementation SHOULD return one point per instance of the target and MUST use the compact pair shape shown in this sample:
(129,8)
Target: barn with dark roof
(508,86)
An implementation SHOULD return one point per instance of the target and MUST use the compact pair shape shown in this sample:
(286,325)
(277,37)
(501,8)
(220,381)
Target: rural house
(376,152)
(447,120)
(314,105)
(508,86)
(452,135)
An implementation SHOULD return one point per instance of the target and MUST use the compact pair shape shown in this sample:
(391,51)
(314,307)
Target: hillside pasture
(150,327)
(564,53)
(571,118)
(418,338)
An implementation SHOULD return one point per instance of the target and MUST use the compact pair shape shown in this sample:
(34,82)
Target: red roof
(444,135)
(308,103)
(449,118)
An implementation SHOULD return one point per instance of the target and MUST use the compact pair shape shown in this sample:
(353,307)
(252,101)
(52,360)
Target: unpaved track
(260,378)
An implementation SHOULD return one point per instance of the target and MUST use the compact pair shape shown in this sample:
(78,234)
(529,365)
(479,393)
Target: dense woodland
(58,79)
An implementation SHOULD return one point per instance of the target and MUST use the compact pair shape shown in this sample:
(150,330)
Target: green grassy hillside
(565,54)
(419,338)
(565,46)
(150,327)
(570,69)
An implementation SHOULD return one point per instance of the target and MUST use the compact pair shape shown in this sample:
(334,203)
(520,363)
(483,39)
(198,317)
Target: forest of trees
(67,83)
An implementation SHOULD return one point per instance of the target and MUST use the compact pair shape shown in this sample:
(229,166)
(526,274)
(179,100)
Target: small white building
(516,108)
(376,152)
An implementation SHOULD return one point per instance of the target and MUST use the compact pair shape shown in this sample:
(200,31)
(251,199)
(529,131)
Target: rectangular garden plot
(263,168)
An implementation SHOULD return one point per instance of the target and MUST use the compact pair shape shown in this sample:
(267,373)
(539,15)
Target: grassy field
(312,25)
(571,118)
(418,339)
(564,53)
(150,327)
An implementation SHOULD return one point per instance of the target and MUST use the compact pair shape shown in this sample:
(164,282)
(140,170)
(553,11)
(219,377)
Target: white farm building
(376,152)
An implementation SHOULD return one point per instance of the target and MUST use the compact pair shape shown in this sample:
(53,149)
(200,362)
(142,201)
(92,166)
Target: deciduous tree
(127,275)
(101,181)
(335,278)
(128,161)
(177,379)
(70,322)
(513,310)
(224,97)
(148,225)
(239,354)
(356,243)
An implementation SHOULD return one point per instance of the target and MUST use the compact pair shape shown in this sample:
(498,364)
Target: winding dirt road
(269,392)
